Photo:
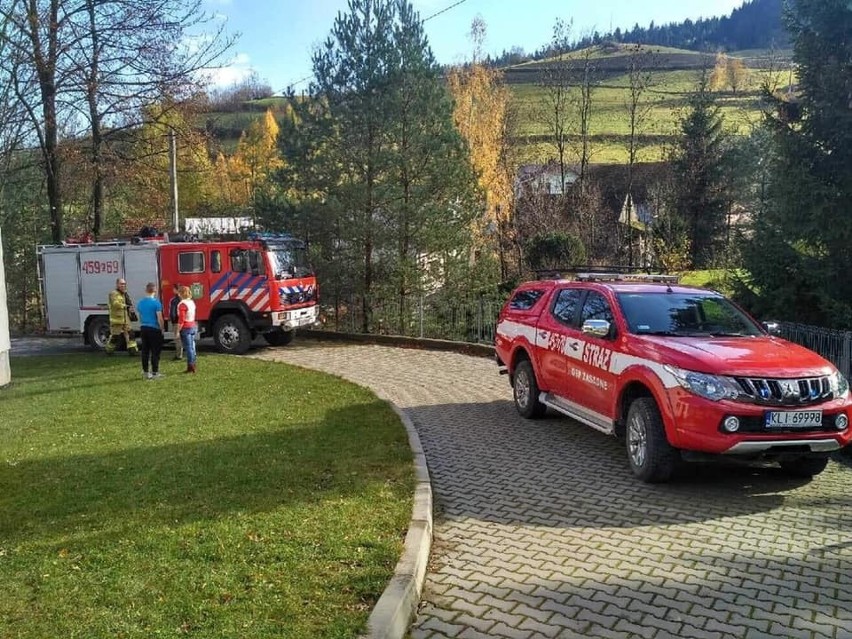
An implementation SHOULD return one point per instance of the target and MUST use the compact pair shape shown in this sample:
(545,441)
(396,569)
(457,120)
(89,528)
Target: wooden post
(173,176)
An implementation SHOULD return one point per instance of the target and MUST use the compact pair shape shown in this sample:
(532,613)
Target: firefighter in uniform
(120,309)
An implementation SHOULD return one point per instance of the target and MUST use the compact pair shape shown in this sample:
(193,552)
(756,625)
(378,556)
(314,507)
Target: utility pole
(5,344)
(173,176)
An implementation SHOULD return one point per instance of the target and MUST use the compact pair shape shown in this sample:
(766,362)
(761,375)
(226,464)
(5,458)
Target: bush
(554,251)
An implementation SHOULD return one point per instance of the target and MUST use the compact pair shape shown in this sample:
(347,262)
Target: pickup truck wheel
(652,458)
(231,335)
(526,392)
(98,333)
(804,466)
(279,337)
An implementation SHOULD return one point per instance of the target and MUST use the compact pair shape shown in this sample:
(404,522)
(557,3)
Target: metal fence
(834,345)
(471,319)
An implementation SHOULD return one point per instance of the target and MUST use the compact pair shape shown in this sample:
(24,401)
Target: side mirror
(772,327)
(596,328)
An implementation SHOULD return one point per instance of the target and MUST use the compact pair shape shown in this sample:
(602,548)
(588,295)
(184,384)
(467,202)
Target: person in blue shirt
(150,311)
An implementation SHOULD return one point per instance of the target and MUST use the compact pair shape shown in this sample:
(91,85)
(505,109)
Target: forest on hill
(757,24)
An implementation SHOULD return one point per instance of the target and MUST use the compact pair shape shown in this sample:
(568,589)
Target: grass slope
(674,74)
(252,500)
(665,99)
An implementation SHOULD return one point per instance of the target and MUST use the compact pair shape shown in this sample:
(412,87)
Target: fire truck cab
(259,285)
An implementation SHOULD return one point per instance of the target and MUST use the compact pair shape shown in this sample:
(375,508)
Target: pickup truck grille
(787,392)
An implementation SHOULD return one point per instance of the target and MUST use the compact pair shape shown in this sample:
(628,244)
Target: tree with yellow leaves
(257,153)
(737,74)
(719,76)
(149,181)
(482,116)
(728,73)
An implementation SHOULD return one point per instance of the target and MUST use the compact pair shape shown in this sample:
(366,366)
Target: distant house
(536,180)
(542,179)
(620,207)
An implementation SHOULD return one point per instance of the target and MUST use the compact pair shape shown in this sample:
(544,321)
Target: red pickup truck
(678,372)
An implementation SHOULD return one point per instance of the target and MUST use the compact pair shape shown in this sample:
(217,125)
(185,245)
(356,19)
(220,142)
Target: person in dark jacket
(173,318)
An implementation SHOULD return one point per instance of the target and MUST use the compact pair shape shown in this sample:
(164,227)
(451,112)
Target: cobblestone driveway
(542,532)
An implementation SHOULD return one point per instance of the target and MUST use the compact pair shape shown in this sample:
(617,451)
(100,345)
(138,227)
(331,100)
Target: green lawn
(252,500)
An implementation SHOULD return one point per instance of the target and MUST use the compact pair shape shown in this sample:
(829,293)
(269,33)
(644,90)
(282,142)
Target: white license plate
(792,419)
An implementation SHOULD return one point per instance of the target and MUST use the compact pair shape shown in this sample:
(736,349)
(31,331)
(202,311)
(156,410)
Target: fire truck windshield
(289,261)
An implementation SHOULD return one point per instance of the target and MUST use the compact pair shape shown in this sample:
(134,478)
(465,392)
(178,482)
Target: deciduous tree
(558,79)
(257,152)
(89,66)
(638,108)
(482,114)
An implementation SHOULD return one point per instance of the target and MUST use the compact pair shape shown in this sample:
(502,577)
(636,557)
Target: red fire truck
(259,285)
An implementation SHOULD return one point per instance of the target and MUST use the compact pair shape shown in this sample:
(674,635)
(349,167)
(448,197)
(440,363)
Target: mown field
(673,77)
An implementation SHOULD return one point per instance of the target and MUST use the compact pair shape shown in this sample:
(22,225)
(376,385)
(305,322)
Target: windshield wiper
(718,334)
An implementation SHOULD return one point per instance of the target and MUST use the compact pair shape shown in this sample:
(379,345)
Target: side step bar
(580,413)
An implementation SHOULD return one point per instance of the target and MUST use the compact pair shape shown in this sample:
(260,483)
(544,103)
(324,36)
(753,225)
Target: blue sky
(277,36)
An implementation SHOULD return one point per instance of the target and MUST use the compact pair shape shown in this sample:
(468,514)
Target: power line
(298,82)
(434,15)
(437,13)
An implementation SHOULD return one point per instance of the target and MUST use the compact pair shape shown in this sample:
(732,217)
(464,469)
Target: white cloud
(235,70)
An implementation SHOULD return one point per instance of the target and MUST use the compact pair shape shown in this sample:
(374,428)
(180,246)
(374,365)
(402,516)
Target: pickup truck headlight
(713,387)
(839,385)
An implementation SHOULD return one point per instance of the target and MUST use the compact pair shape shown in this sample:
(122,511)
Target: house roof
(611,179)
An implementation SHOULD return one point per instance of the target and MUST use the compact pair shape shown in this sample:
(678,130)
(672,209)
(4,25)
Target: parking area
(541,531)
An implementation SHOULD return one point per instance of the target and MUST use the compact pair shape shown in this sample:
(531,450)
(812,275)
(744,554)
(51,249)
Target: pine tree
(798,255)
(383,174)
(702,197)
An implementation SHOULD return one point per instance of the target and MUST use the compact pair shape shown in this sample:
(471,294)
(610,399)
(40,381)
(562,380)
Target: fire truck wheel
(98,333)
(279,337)
(231,335)
(526,392)
(652,458)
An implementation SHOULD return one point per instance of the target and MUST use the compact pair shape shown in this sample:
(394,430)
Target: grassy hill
(674,75)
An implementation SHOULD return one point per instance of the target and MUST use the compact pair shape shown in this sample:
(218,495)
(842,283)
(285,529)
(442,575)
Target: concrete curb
(465,348)
(392,615)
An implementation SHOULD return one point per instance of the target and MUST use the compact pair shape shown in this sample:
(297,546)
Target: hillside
(672,73)
(757,24)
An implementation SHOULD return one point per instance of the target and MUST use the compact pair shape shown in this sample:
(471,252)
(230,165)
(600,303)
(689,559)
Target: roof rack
(607,274)
(626,277)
